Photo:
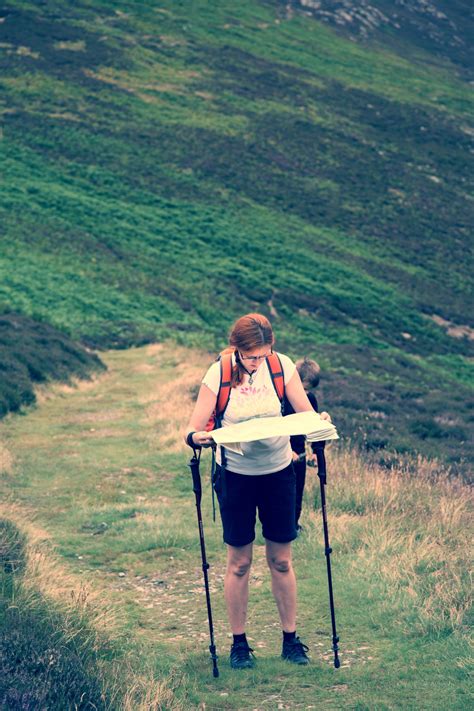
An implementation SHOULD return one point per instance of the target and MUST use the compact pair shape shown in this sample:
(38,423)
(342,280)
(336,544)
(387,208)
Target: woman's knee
(279,564)
(278,557)
(239,565)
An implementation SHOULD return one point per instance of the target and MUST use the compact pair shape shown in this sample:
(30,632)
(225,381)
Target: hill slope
(425,30)
(33,352)
(171,167)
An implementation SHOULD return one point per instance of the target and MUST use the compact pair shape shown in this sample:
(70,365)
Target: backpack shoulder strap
(277,375)
(225,384)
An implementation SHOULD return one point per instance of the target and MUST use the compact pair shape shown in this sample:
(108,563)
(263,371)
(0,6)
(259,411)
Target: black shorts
(241,495)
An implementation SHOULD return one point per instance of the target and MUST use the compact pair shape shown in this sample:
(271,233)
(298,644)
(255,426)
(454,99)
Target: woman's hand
(203,439)
(325,416)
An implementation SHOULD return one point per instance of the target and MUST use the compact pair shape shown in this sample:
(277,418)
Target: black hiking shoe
(295,651)
(241,656)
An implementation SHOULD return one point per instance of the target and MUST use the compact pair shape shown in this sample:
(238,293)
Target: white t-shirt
(257,400)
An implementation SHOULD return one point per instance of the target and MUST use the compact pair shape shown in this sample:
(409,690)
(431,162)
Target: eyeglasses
(255,358)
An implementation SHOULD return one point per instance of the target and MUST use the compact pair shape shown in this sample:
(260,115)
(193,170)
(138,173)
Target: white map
(301,423)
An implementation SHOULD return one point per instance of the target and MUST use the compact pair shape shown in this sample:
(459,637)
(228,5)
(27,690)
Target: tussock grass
(410,533)
(6,459)
(155,696)
(182,387)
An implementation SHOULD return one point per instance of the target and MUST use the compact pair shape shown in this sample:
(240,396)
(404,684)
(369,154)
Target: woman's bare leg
(283,582)
(236,585)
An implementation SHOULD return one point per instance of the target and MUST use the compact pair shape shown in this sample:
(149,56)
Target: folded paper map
(301,423)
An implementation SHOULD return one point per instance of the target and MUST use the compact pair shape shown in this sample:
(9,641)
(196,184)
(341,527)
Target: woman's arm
(203,409)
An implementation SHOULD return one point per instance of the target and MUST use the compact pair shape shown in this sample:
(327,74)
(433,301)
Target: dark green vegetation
(169,168)
(44,662)
(33,352)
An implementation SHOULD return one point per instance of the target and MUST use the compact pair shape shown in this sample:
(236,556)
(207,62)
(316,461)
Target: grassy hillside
(169,168)
(97,479)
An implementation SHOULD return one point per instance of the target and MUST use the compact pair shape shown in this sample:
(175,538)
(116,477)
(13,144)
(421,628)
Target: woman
(261,480)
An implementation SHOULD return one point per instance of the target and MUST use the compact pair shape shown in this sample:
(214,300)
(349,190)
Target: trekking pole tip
(337,662)
(214,657)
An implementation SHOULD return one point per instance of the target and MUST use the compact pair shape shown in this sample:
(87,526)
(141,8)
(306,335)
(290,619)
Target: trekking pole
(327,549)
(194,466)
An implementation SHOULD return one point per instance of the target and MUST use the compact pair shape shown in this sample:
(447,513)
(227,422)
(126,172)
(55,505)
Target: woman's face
(252,359)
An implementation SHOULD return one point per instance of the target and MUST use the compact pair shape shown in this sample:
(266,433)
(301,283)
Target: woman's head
(251,332)
(251,337)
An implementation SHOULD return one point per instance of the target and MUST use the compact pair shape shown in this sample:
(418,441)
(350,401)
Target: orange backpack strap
(276,372)
(215,420)
(225,384)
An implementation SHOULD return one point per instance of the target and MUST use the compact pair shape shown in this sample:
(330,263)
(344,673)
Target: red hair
(248,332)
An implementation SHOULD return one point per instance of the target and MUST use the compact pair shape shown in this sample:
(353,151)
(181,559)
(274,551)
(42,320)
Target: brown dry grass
(45,574)
(137,88)
(6,459)
(411,532)
(49,391)
(173,400)
(157,696)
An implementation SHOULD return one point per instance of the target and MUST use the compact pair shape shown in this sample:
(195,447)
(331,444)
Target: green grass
(277,165)
(118,508)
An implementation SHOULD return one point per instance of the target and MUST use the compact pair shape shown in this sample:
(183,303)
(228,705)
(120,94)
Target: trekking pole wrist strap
(190,442)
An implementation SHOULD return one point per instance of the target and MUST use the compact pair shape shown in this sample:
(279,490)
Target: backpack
(223,396)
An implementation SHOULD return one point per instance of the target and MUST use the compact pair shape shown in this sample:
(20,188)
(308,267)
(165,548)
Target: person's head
(250,333)
(309,372)
(251,337)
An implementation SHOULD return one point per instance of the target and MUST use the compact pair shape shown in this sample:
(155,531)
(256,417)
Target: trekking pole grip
(318,449)
(194,466)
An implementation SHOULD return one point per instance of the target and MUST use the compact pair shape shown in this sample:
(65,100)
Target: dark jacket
(298,441)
